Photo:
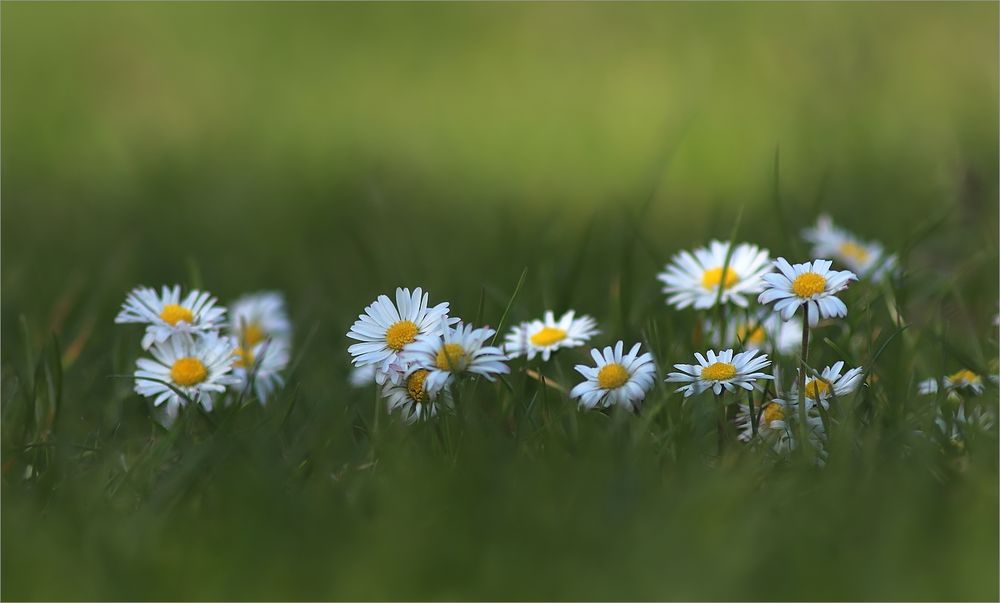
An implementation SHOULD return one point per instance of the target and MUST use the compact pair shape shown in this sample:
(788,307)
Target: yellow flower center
(808,284)
(612,375)
(815,388)
(415,385)
(713,277)
(172,314)
(400,334)
(773,412)
(548,336)
(850,249)
(756,337)
(452,357)
(188,371)
(720,371)
(253,334)
(964,377)
(244,357)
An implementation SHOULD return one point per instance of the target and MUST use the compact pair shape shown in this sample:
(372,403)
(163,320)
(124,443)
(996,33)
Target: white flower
(262,365)
(830,383)
(385,329)
(722,370)
(694,279)
(548,335)
(963,380)
(617,378)
(412,398)
(761,331)
(955,426)
(457,350)
(166,314)
(199,367)
(776,425)
(866,259)
(811,284)
(259,316)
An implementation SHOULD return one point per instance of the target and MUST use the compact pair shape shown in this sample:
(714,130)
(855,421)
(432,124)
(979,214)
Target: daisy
(865,259)
(259,316)
(694,279)
(830,383)
(761,331)
(954,427)
(719,371)
(261,365)
(617,378)
(457,350)
(773,425)
(167,313)
(548,335)
(811,284)
(963,380)
(385,329)
(412,397)
(198,367)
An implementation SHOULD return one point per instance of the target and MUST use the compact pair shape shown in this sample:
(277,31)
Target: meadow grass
(517,495)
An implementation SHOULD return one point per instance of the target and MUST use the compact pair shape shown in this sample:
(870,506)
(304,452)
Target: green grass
(335,152)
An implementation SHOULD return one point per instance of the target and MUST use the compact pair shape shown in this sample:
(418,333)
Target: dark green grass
(155,151)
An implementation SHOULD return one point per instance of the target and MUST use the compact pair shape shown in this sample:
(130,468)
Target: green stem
(803,358)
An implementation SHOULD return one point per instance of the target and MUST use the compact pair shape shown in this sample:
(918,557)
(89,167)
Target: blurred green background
(338,150)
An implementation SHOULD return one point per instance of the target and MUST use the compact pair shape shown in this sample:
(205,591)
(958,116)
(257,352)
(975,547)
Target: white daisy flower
(616,379)
(830,384)
(548,335)
(866,259)
(386,328)
(955,427)
(259,316)
(811,284)
(963,380)
(694,279)
(412,398)
(457,350)
(763,331)
(167,313)
(262,364)
(199,367)
(775,425)
(722,370)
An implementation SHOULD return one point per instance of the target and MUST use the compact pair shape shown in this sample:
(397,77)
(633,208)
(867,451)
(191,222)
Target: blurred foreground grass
(335,151)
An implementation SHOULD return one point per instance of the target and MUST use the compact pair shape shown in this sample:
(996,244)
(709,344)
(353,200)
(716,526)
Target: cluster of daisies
(199,356)
(414,352)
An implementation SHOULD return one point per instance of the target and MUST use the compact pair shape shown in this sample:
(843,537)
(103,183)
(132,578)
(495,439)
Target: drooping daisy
(261,365)
(457,350)
(412,398)
(694,279)
(386,328)
(775,425)
(866,259)
(259,316)
(830,384)
(722,370)
(962,381)
(616,379)
(811,284)
(200,367)
(763,331)
(167,313)
(548,335)
(960,420)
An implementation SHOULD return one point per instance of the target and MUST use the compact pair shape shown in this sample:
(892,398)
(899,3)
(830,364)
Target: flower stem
(803,358)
